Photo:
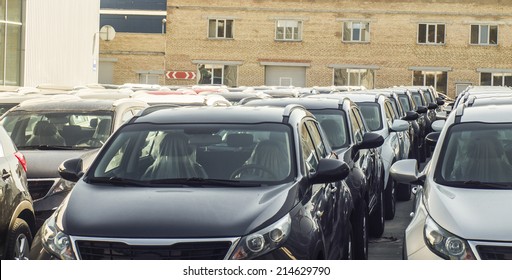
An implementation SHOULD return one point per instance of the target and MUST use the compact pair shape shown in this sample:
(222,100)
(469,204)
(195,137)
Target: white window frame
(435,73)
(216,35)
(359,71)
(300,25)
(351,24)
(493,74)
(146,77)
(426,33)
(488,34)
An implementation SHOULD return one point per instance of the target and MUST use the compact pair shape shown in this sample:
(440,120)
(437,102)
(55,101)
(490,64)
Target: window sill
(483,45)
(356,42)
(293,41)
(220,39)
(431,44)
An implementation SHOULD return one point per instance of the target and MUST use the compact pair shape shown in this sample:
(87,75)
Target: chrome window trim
(154,242)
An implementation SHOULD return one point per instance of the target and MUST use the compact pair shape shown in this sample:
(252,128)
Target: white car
(464,201)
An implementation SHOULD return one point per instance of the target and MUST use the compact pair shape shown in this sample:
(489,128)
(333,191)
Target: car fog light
(455,246)
(256,243)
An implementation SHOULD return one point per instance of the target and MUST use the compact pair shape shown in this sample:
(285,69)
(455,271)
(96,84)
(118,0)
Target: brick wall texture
(393,46)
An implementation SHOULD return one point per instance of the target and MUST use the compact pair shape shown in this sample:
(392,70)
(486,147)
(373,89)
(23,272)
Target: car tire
(390,199)
(377,218)
(403,192)
(360,229)
(19,239)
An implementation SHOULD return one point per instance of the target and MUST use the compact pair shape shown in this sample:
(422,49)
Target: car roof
(73,103)
(308,103)
(355,97)
(233,114)
(496,113)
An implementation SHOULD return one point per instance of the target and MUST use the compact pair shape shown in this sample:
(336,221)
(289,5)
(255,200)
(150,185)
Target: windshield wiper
(47,147)
(203,182)
(118,181)
(487,184)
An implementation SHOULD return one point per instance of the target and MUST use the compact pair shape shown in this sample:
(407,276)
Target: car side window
(357,125)
(390,115)
(317,138)
(309,155)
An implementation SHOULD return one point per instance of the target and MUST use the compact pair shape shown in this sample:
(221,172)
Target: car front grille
(112,250)
(40,187)
(494,252)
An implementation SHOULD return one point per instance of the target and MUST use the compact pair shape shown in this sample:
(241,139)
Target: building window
(356,31)
(496,79)
(354,77)
(148,78)
(220,29)
(217,74)
(431,33)
(484,34)
(10,42)
(289,30)
(437,79)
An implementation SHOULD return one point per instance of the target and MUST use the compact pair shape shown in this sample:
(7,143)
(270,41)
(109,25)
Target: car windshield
(371,115)
(476,154)
(193,154)
(334,125)
(68,130)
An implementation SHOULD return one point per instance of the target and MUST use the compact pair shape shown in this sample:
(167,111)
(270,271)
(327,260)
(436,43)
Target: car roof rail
(341,101)
(289,109)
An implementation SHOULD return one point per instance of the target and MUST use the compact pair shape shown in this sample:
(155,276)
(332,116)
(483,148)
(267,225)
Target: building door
(460,87)
(285,76)
(106,72)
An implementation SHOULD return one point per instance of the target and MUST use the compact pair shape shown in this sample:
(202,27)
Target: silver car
(464,198)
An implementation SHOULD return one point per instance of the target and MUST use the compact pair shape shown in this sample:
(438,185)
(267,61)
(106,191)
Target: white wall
(61,42)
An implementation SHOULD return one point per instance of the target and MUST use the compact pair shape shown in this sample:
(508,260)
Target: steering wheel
(246,167)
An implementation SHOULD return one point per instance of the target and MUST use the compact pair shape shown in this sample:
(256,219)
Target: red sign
(180,75)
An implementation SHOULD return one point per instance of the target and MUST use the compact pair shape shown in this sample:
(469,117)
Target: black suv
(206,183)
(346,131)
(17,221)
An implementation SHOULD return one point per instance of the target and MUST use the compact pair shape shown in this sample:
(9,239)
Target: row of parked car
(125,174)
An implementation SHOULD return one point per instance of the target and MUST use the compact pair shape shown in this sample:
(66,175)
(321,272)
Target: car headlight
(263,241)
(61,186)
(55,241)
(445,244)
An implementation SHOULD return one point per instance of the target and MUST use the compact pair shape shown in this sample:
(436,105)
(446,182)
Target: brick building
(377,43)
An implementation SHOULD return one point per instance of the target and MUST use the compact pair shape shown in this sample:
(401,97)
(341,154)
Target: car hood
(173,212)
(473,214)
(44,163)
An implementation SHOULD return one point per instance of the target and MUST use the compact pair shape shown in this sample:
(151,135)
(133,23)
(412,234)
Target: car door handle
(5,175)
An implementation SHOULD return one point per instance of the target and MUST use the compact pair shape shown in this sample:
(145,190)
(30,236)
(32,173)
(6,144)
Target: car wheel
(19,239)
(390,199)
(360,228)
(377,218)
(403,192)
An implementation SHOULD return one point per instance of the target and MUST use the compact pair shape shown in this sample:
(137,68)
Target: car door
(366,159)
(325,198)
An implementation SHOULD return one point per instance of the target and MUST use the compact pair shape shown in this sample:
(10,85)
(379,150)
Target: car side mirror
(432,106)
(411,116)
(330,170)
(370,140)
(438,125)
(421,109)
(406,171)
(440,101)
(399,125)
(71,169)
